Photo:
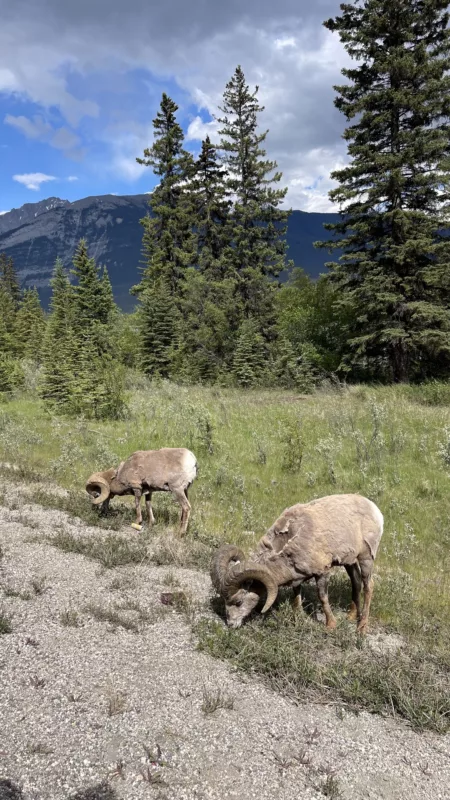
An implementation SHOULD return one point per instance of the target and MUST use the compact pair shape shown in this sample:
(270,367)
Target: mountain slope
(37,233)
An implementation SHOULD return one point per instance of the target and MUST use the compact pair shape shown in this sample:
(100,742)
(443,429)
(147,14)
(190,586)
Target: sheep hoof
(136,526)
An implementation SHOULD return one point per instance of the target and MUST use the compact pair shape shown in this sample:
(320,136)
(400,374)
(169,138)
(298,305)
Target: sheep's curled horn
(226,556)
(97,483)
(229,571)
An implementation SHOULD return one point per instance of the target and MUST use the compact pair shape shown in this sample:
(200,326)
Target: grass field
(261,451)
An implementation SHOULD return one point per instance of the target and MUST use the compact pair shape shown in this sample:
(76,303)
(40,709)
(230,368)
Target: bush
(431,393)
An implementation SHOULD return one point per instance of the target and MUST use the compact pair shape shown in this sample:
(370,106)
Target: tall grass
(261,451)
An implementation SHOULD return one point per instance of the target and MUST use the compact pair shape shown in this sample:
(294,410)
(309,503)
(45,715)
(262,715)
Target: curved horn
(251,572)
(223,559)
(97,483)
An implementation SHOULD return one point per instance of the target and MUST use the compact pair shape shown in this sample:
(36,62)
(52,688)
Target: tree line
(210,307)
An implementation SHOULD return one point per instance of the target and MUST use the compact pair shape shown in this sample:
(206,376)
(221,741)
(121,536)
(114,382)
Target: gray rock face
(37,233)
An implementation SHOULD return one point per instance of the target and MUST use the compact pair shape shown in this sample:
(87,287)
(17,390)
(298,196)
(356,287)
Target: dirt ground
(86,702)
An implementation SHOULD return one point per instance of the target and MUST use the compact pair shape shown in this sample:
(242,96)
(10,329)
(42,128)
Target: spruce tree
(210,308)
(394,271)
(9,280)
(212,214)
(169,242)
(60,347)
(29,326)
(250,356)
(259,225)
(157,317)
(7,321)
(11,375)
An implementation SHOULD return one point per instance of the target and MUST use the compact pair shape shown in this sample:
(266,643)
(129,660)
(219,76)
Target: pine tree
(169,242)
(259,224)
(394,272)
(29,326)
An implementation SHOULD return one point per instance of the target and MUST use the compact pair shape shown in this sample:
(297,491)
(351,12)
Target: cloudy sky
(81,80)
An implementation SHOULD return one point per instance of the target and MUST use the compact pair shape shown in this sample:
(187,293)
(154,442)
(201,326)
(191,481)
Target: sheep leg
(322,588)
(366,573)
(137,501)
(181,496)
(297,604)
(148,506)
(353,572)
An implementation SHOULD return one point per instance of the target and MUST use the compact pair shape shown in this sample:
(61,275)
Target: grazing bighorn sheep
(305,542)
(171,469)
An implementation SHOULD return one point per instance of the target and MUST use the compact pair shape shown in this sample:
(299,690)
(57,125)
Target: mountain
(37,233)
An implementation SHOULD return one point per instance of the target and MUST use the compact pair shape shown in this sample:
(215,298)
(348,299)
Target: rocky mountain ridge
(38,233)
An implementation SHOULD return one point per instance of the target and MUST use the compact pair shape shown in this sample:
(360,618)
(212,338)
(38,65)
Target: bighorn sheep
(144,472)
(305,542)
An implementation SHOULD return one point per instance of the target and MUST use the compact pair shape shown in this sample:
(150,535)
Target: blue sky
(80,84)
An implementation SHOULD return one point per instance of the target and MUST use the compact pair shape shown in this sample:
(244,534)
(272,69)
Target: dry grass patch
(111,551)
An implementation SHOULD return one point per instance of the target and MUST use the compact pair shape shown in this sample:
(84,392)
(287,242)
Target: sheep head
(241,583)
(98,486)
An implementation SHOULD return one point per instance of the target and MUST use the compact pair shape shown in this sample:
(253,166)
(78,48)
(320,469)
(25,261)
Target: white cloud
(3,212)
(72,178)
(198,130)
(287,41)
(33,180)
(125,141)
(39,129)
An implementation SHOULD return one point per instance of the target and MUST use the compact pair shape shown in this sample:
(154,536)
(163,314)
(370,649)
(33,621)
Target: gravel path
(96,702)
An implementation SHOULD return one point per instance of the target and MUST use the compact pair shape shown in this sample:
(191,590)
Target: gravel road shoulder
(85,700)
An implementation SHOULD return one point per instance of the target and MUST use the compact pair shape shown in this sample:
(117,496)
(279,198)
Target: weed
(101,791)
(111,551)
(112,616)
(293,446)
(5,624)
(119,770)
(39,749)
(330,788)
(117,702)
(152,776)
(10,790)
(170,579)
(39,585)
(36,682)
(69,618)
(213,699)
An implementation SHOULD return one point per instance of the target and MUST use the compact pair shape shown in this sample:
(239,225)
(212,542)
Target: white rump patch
(189,463)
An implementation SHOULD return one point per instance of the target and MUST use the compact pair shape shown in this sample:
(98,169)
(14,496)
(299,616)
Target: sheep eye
(238,603)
